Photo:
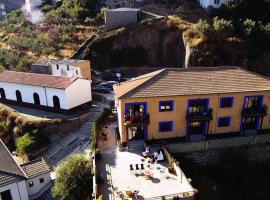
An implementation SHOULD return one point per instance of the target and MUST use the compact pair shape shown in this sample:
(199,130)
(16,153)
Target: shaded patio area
(152,182)
(160,183)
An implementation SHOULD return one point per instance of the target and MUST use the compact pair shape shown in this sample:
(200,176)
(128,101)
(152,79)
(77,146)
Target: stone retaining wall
(208,152)
(68,125)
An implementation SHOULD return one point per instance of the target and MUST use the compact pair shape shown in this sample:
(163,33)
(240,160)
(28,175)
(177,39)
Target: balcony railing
(200,116)
(251,112)
(132,120)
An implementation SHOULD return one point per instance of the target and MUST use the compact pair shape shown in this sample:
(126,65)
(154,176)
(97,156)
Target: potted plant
(171,168)
(127,120)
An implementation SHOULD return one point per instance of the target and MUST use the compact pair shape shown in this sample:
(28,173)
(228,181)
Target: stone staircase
(65,144)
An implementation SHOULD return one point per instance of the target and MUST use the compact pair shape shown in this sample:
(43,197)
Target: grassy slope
(83,32)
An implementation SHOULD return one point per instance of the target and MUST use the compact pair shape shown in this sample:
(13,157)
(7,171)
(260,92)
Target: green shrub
(25,144)
(98,125)
(204,28)
(222,26)
(249,27)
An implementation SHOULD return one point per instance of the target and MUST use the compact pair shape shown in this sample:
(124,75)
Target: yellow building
(192,103)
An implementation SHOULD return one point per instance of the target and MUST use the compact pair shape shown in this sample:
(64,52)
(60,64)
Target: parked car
(109,84)
(101,88)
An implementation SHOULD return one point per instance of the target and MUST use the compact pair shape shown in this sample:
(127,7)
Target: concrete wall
(61,94)
(18,190)
(114,19)
(78,93)
(80,69)
(218,143)
(62,70)
(38,188)
(41,69)
(178,115)
(210,157)
(85,68)
(27,92)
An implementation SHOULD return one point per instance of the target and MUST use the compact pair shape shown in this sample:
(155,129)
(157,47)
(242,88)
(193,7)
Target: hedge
(97,127)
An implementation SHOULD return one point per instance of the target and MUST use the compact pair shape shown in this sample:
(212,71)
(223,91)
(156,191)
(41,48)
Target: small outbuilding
(39,179)
(116,18)
(53,93)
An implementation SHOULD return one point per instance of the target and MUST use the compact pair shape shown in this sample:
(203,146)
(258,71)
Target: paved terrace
(114,166)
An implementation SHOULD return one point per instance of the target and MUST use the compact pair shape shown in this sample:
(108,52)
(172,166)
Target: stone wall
(208,152)
(68,125)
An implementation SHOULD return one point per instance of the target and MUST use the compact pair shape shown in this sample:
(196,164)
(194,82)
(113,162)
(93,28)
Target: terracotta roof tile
(36,168)
(195,81)
(129,85)
(36,79)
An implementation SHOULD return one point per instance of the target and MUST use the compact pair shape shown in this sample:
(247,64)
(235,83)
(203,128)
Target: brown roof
(36,168)
(193,81)
(36,79)
(133,83)
(10,171)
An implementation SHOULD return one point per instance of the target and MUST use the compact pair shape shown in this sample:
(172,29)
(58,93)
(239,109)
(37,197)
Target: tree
(74,179)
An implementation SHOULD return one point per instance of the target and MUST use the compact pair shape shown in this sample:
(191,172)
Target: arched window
(2,93)
(56,102)
(18,96)
(36,98)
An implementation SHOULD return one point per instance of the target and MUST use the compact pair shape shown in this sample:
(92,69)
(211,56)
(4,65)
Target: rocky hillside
(178,40)
(156,43)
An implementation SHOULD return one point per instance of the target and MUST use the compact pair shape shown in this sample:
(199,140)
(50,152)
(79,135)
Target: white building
(28,181)
(39,180)
(52,93)
(12,177)
(121,17)
(212,3)
(65,67)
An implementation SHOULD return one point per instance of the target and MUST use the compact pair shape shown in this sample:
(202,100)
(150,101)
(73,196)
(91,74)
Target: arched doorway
(56,102)
(36,98)
(18,96)
(2,93)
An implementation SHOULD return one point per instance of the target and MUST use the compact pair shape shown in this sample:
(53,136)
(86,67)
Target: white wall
(61,94)
(120,117)
(62,71)
(78,93)
(27,92)
(37,187)
(18,190)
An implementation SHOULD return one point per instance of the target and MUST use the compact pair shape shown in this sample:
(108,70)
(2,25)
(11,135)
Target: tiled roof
(36,168)
(36,79)
(10,171)
(66,61)
(194,81)
(129,85)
